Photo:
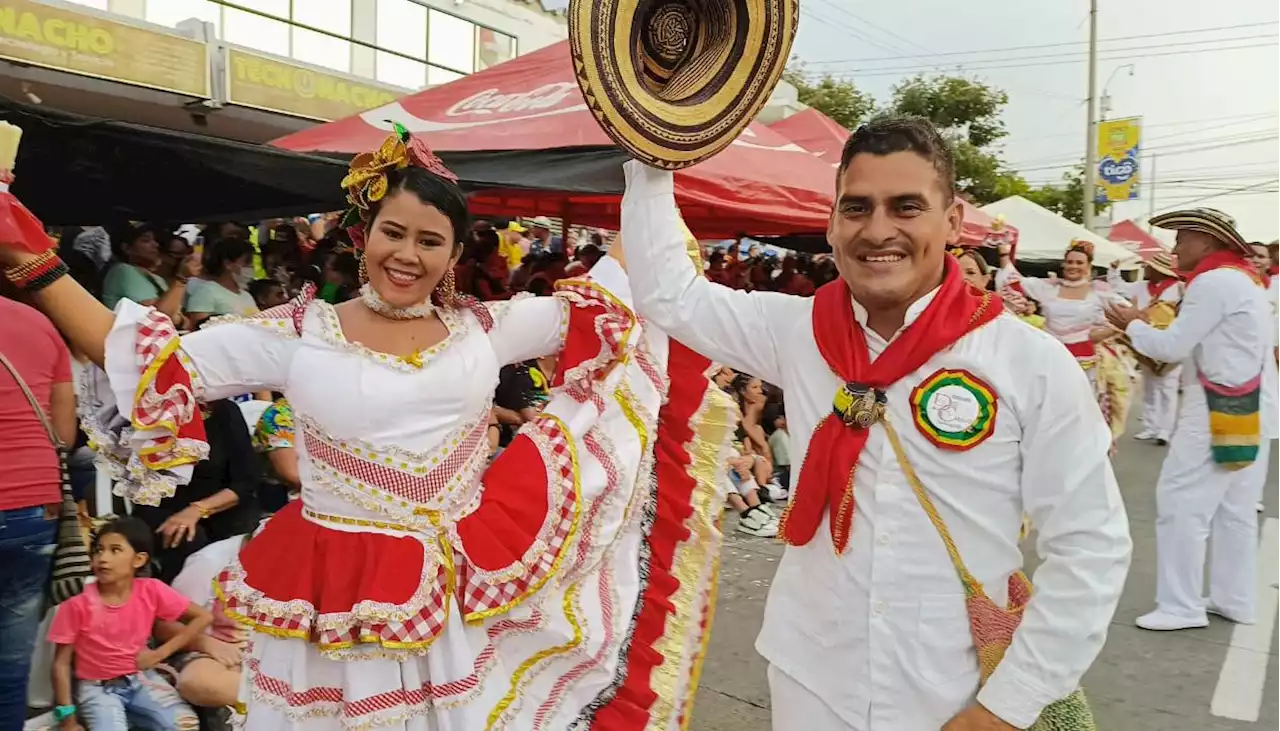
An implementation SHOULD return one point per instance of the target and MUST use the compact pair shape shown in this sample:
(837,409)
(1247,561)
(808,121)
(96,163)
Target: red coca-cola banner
(762,184)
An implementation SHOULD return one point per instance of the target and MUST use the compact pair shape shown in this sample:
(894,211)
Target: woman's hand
(224,652)
(180,526)
(190,267)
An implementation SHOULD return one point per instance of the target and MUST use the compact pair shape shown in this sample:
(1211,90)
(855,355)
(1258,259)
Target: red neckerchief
(1155,289)
(826,479)
(1225,259)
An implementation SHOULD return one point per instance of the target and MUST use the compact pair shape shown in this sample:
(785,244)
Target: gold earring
(364,272)
(447,290)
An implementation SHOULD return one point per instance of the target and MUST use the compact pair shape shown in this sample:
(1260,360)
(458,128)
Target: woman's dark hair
(738,387)
(221,251)
(136,533)
(433,190)
(486,242)
(259,288)
(887,134)
(124,236)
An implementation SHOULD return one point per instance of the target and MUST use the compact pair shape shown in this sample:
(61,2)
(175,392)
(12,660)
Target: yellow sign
(1118,147)
(264,83)
(84,44)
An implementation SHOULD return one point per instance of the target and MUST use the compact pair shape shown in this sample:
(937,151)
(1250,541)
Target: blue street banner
(1119,142)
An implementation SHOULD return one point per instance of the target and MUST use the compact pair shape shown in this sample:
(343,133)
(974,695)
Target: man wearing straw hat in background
(1161,283)
(1214,473)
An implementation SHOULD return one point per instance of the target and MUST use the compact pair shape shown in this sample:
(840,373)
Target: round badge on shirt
(954,409)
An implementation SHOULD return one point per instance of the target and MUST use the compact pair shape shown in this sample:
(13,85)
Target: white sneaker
(768,510)
(756,522)
(1159,621)
(1213,609)
(1145,436)
(777,493)
(1261,506)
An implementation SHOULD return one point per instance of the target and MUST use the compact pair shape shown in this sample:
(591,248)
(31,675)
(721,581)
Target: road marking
(1244,672)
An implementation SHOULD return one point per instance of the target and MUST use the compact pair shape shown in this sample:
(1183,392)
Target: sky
(1211,117)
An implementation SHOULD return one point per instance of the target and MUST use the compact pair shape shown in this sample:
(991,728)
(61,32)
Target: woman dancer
(1073,309)
(411,587)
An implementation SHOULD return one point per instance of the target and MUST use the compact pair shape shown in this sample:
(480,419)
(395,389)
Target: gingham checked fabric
(173,411)
(341,628)
(478,594)
(421,481)
(293,310)
(418,630)
(611,324)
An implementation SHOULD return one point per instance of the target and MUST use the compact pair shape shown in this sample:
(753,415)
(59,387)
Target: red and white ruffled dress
(415,586)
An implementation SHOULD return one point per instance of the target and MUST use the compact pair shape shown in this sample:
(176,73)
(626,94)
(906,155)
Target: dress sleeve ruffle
(520,531)
(142,413)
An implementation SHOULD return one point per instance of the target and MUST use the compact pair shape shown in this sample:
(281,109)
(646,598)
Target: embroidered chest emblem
(954,409)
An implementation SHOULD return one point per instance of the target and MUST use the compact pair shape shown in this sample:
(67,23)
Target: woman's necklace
(374,302)
(1074,282)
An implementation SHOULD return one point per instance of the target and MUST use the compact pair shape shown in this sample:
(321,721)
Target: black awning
(77,170)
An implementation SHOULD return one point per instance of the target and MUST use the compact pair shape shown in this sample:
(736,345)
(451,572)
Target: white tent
(1044,235)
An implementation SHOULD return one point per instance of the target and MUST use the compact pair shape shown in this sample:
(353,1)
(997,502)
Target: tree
(841,100)
(1067,199)
(967,113)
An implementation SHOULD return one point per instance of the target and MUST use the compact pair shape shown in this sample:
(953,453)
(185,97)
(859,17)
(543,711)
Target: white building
(253,70)
(404,43)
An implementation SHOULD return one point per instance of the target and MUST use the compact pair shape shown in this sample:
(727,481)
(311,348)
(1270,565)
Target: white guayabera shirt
(880,634)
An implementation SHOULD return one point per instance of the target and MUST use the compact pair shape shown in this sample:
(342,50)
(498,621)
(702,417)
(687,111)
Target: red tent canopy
(521,133)
(1133,238)
(825,138)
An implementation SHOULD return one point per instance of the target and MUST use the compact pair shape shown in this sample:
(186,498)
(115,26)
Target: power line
(1239,120)
(963,67)
(860,35)
(1188,146)
(907,42)
(1236,191)
(1158,138)
(1052,45)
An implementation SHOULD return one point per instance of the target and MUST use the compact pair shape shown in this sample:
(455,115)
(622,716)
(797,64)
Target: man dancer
(1212,477)
(866,627)
(1161,283)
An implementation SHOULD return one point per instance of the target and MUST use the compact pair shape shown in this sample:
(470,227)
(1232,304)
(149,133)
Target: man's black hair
(887,134)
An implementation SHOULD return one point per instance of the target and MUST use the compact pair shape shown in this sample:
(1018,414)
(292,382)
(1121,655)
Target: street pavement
(1201,680)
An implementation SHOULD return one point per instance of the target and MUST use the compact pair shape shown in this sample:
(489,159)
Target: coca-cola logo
(1116,172)
(493,101)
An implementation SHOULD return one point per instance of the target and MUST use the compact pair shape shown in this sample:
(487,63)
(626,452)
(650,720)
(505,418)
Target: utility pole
(1091,142)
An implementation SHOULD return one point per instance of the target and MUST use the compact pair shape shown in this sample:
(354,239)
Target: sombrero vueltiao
(673,82)
(1205,220)
(1163,262)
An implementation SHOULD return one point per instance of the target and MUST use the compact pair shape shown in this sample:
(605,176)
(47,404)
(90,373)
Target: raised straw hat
(673,82)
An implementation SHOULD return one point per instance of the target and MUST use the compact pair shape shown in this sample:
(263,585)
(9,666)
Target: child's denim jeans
(142,701)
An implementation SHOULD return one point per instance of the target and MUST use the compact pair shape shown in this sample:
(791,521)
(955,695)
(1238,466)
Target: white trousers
(1160,402)
(1201,506)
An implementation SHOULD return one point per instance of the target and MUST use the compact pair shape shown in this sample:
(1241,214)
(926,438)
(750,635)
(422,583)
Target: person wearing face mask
(941,420)
(228,266)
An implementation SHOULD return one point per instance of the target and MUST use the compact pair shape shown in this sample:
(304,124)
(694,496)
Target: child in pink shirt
(107,629)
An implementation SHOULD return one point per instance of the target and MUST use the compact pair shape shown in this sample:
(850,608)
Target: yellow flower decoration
(366,180)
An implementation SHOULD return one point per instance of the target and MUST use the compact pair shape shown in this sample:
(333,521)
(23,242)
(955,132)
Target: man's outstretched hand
(976,718)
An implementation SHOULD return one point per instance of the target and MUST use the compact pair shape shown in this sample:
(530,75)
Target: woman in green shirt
(228,264)
(137,256)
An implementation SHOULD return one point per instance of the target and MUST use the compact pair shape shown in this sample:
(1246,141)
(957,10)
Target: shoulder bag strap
(35,405)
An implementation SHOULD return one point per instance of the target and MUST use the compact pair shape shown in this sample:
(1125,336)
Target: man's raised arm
(739,329)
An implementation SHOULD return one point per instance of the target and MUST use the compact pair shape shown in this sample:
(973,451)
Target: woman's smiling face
(409,247)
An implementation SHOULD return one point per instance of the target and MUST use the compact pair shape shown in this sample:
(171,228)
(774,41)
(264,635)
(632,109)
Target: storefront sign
(1118,145)
(84,44)
(265,83)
